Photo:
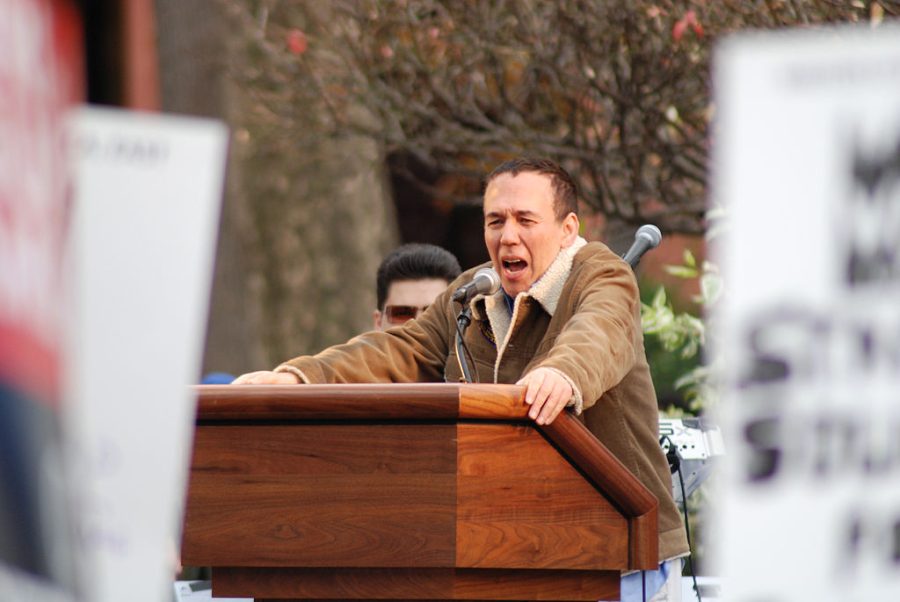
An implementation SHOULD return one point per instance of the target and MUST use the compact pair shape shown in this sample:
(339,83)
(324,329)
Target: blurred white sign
(146,209)
(807,165)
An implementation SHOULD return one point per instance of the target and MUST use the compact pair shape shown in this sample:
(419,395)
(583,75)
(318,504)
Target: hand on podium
(547,392)
(266,377)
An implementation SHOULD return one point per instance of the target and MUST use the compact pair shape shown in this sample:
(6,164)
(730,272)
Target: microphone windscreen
(651,233)
(488,282)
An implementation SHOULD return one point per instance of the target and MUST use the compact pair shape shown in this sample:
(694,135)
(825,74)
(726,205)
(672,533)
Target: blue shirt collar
(510,301)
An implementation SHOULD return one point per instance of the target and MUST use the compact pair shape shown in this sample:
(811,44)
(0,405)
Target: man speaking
(565,323)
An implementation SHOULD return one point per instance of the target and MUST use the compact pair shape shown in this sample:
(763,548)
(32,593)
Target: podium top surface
(418,401)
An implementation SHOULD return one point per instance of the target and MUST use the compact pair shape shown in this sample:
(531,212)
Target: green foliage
(682,334)
(677,332)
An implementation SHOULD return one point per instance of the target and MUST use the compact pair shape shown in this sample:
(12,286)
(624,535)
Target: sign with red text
(147,198)
(40,78)
(807,167)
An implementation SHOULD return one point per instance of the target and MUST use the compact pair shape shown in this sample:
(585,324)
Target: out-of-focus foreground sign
(40,77)
(807,166)
(148,191)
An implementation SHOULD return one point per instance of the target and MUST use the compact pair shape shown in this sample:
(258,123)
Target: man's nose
(510,234)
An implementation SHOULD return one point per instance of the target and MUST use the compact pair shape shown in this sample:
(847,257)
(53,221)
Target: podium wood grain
(417,584)
(431,492)
(522,505)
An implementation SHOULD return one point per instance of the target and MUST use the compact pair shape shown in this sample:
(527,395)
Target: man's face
(521,231)
(406,299)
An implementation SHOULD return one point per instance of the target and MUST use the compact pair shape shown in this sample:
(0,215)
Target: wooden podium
(407,492)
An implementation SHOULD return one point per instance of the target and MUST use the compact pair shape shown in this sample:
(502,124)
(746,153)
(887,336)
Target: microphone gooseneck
(485,282)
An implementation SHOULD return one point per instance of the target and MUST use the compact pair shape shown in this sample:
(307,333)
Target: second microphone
(485,282)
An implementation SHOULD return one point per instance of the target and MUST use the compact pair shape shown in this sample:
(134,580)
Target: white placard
(148,191)
(807,166)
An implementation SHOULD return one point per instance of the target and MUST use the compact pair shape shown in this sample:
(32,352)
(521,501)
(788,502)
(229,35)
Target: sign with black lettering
(807,166)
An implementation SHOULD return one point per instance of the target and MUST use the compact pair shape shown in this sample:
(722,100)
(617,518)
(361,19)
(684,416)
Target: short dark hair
(565,193)
(414,261)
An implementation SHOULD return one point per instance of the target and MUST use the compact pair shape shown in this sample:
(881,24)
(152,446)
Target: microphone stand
(486,281)
(462,322)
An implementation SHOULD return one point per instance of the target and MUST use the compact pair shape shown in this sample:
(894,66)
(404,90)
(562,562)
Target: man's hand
(547,393)
(265,377)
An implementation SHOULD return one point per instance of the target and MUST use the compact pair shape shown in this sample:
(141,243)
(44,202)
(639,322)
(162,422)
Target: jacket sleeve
(414,352)
(599,344)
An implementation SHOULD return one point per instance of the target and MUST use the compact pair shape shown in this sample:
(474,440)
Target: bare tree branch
(618,92)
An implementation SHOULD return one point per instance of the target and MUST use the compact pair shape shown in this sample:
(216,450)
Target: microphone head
(487,281)
(650,233)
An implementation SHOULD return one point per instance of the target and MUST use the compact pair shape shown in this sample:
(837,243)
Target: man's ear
(376,320)
(571,226)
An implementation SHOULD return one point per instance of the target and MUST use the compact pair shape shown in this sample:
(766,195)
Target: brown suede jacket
(581,318)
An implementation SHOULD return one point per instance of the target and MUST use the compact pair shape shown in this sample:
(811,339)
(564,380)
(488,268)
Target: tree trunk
(304,225)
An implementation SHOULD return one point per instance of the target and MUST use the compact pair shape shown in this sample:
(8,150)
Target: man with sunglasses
(565,324)
(408,280)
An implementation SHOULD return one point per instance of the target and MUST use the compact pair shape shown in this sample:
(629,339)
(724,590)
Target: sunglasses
(398,314)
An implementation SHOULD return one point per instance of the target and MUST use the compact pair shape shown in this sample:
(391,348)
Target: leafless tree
(619,92)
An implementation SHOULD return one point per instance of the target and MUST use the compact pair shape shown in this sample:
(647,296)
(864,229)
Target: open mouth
(514,265)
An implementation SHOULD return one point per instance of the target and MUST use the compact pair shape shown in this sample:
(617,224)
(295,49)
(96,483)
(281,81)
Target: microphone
(485,282)
(647,237)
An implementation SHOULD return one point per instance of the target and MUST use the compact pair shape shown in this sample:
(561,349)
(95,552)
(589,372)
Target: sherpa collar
(546,291)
